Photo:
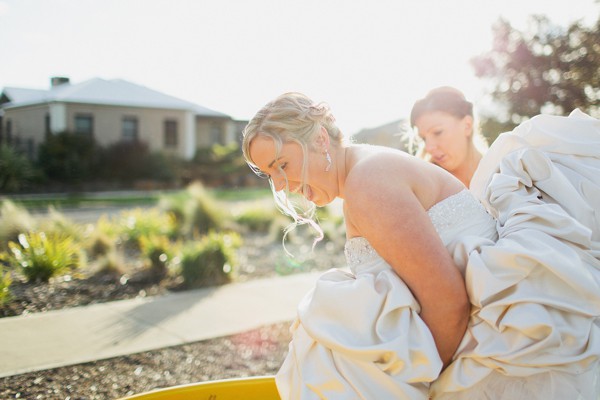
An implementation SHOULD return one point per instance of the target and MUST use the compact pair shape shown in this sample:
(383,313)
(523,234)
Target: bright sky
(369,59)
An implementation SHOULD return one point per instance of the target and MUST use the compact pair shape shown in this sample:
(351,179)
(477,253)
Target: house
(392,134)
(111,111)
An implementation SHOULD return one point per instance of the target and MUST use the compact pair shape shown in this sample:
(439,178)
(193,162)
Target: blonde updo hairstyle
(292,117)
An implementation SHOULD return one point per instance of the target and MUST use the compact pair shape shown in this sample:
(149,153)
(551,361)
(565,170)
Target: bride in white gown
(525,244)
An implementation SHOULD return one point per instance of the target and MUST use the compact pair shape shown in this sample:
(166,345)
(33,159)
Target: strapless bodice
(460,213)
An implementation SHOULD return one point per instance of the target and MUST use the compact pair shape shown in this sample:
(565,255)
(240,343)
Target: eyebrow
(274,161)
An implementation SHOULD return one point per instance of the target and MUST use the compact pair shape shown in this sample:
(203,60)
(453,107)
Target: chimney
(58,80)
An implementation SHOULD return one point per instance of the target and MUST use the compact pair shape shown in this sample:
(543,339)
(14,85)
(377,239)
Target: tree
(546,68)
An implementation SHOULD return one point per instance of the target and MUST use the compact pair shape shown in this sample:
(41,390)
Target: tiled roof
(116,92)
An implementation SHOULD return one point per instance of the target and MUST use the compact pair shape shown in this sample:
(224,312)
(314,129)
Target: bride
(489,294)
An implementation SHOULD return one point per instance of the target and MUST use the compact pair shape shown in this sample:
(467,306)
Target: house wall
(107,124)
(28,126)
(212,130)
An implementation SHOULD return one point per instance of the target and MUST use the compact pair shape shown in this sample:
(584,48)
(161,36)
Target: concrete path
(57,338)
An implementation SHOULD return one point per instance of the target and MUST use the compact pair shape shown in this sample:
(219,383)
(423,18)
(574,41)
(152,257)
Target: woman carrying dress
(504,297)
(446,133)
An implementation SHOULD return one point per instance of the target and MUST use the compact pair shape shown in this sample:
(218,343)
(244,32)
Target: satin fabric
(531,264)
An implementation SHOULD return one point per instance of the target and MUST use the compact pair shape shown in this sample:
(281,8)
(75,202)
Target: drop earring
(328,158)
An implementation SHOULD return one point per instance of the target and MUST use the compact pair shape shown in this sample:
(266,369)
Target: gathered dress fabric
(527,240)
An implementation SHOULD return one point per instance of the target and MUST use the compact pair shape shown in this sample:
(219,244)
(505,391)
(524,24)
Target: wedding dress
(527,240)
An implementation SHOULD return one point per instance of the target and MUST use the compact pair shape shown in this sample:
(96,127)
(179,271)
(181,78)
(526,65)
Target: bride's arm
(387,213)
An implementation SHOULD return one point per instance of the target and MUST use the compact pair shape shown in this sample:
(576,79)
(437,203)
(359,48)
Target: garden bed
(258,352)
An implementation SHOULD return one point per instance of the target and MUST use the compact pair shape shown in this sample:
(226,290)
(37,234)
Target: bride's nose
(278,182)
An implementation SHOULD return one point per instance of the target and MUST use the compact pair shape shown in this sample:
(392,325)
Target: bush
(56,223)
(16,170)
(69,158)
(209,261)
(195,212)
(14,220)
(5,281)
(139,222)
(158,252)
(257,219)
(39,257)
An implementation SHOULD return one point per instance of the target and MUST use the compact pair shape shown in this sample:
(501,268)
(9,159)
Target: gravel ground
(254,353)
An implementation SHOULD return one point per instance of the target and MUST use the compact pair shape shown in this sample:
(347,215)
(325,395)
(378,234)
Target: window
(129,129)
(84,124)
(47,125)
(171,133)
(8,136)
(215,134)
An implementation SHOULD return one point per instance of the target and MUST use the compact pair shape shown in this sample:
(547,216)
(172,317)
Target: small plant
(209,261)
(5,281)
(195,211)
(39,257)
(137,223)
(111,263)
(257,219)
(14,220)
(56,223)
(100,244)
(158,252)
(206,215)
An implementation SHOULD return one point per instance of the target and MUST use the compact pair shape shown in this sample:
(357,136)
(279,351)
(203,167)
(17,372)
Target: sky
(369,59)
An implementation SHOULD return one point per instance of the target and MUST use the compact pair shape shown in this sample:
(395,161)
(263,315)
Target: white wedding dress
(531,260)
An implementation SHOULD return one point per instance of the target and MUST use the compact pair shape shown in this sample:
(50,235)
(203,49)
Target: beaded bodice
(449,213)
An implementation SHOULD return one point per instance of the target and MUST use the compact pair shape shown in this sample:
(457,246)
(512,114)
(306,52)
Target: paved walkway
(57,338)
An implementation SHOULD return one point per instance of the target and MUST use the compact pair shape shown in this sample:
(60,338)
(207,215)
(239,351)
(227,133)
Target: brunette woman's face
(319,188)
(446,137)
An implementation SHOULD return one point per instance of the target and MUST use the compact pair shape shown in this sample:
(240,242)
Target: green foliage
(16,170)
(39,257)
(14,220)
(111,263)
(257,218)
(158,251)
(209,261)
(546,68)
(5,282)
(56,223)
(100,244)
(136,223)
(127,162)
(219,165)
(195,211)
(69,157)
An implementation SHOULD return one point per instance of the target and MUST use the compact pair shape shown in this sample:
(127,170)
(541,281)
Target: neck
(341,161)
(465,172)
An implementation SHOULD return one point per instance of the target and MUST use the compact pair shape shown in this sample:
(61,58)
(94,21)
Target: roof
(115,92)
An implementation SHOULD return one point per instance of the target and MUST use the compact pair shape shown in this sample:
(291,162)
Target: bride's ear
(322,140)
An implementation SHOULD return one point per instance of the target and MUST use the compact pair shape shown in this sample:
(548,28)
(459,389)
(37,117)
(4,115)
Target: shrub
(257,219)
(39,257)
(69,157)
(158,252)
(16,170)
(5,281)
(111,263)
(206,215)
(56,223)
(209,261)
(195,211)
(100,244)
(14,220)
(137,223)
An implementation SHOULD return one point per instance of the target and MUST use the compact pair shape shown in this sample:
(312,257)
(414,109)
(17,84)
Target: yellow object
(255,388)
